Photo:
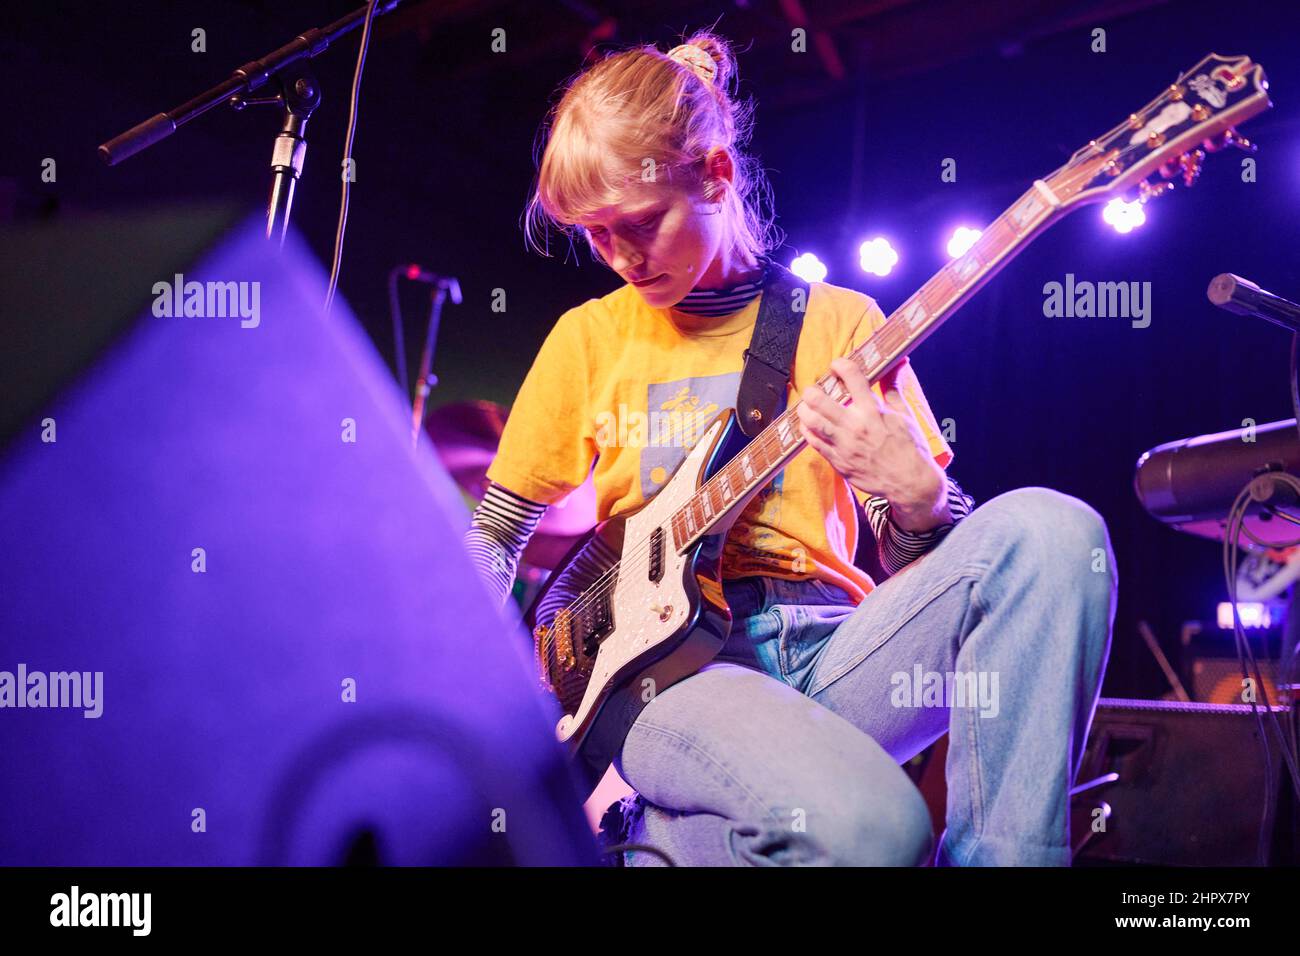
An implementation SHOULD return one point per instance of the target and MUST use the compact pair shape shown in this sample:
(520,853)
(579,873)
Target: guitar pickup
(597,620)
(657,554)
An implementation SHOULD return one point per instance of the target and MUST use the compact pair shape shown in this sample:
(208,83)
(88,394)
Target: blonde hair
(642,111)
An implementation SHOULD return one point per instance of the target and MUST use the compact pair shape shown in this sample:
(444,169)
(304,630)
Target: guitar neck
(906,328)
(1201,107)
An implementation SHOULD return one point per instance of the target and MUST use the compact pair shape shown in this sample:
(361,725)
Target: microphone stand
(299,94)
(426,380)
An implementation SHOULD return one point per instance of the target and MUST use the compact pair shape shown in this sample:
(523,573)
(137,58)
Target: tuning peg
(1147,191)
(1229,137)
(1233,138)
(1190,164)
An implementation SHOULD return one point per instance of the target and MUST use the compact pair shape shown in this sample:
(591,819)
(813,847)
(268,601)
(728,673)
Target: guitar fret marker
(1026,209)
(1047,193)
(967,266)
(915,315)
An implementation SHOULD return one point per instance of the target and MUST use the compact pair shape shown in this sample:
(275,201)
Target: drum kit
(465,436)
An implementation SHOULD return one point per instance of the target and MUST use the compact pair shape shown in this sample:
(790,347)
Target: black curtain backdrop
(445,162)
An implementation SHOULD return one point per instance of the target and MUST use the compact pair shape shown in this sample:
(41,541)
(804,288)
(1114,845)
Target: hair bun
(719,50)
(696,58)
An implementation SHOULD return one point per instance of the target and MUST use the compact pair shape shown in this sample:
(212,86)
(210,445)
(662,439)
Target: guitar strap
(770,356)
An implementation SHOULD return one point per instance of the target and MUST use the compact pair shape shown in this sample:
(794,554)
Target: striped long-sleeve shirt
(503,523)
(899,548)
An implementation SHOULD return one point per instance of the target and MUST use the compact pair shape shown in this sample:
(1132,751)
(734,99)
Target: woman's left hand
(877,446)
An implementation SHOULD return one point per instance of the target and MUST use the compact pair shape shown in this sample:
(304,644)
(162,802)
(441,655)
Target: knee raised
(1068,533)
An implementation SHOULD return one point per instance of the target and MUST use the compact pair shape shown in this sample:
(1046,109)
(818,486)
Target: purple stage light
(877,256)
(808,267)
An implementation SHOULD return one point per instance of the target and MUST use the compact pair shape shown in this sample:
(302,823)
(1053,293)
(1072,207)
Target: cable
(399,341)
(1231,553)
(1295,382)
(347,155)
(1231,556)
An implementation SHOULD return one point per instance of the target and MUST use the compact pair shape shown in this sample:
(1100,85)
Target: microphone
(417,273)
(1235,294)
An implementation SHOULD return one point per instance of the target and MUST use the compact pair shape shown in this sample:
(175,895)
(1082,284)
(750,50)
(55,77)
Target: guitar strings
(888,338)
(604,583)
(601,586)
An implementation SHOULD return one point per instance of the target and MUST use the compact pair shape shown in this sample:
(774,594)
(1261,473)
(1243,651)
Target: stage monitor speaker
(238,625)
(1191,789)
(1211,671)
(1217,680)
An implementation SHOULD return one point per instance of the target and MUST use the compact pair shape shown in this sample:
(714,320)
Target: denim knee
(1063,551)
(1062,535)
(896,831)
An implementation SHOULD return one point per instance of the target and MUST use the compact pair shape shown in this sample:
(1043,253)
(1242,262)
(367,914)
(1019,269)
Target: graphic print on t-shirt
(561,420)
(679,414)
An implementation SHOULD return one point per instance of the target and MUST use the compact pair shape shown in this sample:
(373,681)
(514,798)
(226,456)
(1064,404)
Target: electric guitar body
(648,619)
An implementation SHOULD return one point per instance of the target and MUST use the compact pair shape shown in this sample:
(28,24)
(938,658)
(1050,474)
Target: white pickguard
(645,612)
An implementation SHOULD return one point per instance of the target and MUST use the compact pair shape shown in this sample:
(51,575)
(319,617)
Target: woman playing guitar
(995,624)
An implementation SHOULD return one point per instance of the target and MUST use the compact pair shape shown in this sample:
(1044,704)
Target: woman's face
(661,234)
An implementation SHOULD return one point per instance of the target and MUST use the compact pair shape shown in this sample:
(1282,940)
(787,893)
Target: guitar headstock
(1169,136)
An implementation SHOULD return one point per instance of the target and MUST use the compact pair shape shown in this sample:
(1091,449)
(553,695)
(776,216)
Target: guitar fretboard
(906,328)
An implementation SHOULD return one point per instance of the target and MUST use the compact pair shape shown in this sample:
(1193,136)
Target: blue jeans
(785,750)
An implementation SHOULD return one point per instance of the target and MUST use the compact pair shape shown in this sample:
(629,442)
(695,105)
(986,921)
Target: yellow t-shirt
(617,382)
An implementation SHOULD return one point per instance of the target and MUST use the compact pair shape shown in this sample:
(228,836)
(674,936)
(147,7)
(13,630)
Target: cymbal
(466,436)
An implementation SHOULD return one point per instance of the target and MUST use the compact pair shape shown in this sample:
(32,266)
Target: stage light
(962,239)
(808,267)
(1253,614)
(877,256)
(1124,216)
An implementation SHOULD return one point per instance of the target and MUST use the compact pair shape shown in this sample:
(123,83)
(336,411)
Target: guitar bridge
(595,620)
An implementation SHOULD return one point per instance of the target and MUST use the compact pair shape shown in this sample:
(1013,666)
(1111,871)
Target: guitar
(649,609)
